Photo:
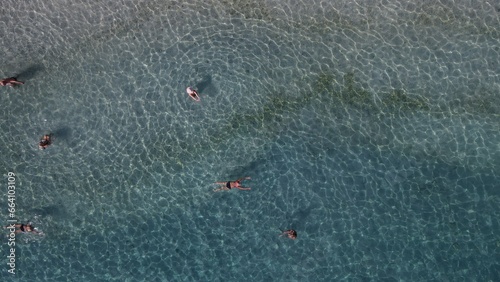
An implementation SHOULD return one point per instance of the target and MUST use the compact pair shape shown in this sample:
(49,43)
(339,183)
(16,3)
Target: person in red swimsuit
(11,81)
(290,233)
(193,94)
(45,142)
(228,185)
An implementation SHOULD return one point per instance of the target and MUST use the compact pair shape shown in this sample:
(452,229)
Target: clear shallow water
(371,129)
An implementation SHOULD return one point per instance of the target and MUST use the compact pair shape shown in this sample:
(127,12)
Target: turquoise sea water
(370,127)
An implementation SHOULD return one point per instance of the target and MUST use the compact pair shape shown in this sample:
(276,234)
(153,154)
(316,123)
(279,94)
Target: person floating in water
(193,94)
(228,185)
(45,142)
(290,233)
(11,81)
(23,228)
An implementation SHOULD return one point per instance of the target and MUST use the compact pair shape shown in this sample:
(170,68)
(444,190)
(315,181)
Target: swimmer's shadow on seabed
(29,72)
(62,133)
(300,215)
(204,84)
(56,210)
(248,169)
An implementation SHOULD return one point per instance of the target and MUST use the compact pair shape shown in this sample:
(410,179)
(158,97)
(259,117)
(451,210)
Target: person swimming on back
(11,81)
(193,94)
(45,142)
(228,185)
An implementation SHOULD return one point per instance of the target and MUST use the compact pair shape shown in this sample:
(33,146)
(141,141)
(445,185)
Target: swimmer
(290,233)
(45,142)
(228,185)
(193,94)
(11,81)
(23,228)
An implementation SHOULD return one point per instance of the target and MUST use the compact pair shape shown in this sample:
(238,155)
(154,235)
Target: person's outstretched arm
(244,188)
